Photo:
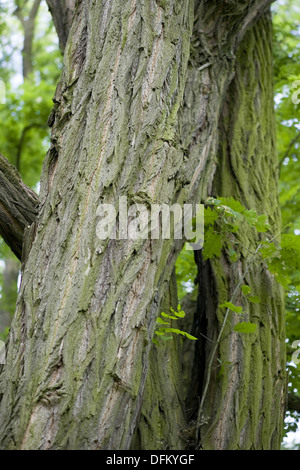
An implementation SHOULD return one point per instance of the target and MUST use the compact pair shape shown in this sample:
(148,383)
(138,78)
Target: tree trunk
(162,419)
(28,22)
(62,12)
(244,408)
(137,113)
(236,420)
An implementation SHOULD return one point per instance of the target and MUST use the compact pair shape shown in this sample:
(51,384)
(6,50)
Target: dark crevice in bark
(204,328)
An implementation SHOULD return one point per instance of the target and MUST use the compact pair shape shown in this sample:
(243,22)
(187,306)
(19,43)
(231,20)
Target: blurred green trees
(24,134)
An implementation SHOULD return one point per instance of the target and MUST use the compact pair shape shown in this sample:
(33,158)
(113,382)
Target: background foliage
(24,134)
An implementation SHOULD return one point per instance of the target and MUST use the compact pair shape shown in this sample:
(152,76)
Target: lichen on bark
(245,407)
(138,112)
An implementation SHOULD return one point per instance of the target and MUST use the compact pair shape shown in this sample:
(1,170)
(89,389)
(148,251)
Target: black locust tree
(161,101)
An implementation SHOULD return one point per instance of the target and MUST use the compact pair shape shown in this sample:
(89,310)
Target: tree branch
(255,10)
(19,15)
(290,147)
(293,402)
(62,12)
(18,206)
(34,10)
(22,140)
(28,27)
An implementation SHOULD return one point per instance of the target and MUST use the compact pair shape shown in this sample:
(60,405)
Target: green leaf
(190,336)
(180,314)
(210,216)
(250,216)
(268,250)
(161,322)
(233,256)
(178,307)
(160,332)
(261,224)
(163,314)
(232,307)
(233,204)
(213,201)
(245,327)
(246,289)
(172,330)
(277,267)
(230,212)
(254,299)
(212,244)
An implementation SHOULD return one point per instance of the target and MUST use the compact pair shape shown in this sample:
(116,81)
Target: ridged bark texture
(244,408)
(246,165)
(86,350)
(162,417)
(136,113)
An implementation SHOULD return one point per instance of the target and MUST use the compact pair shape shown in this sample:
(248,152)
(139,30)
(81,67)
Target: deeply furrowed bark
(247,155)
(244,408)
(162,419)
(121,63)
(62,13)
(131,118)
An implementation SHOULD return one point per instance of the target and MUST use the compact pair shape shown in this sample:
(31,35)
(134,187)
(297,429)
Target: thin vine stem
(215,348)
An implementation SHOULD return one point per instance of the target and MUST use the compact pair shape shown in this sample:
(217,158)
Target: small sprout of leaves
(161,322)
(163,314)
(246,289)
(160,332)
